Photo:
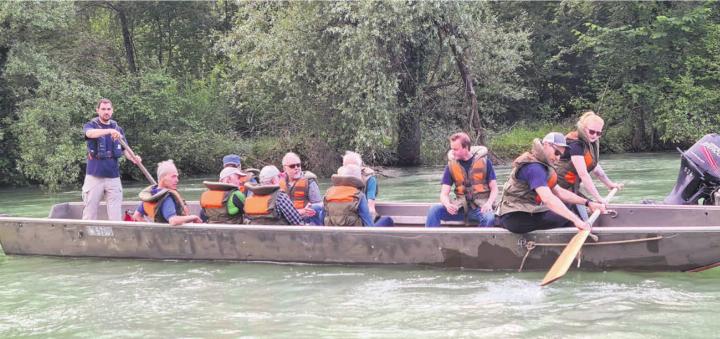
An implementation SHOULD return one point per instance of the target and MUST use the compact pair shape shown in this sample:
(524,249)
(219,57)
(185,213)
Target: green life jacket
(517,195)
(217,204)
(342,201)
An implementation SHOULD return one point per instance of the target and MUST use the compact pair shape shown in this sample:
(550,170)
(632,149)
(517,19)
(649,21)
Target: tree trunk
(409,133)
(474,122)
(127,39)
(639,137)
(160,41)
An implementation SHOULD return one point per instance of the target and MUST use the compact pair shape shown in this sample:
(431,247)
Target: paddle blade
(562,264)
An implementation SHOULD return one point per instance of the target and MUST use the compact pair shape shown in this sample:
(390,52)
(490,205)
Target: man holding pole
(532,199)
(105,139)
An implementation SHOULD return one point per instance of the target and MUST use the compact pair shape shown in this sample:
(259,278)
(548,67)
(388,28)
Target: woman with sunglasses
(581,158)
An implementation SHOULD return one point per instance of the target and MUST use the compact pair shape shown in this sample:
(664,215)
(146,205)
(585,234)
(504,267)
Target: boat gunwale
(330,229)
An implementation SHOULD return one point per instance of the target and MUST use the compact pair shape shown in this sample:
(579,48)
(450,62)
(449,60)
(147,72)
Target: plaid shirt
(285,206)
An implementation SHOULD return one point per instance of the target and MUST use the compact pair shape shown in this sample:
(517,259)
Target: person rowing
(532,199)
(582,158)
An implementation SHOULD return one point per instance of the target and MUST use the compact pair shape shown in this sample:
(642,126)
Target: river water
(57,297)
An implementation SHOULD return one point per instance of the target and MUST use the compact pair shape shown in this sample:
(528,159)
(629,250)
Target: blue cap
(231,159)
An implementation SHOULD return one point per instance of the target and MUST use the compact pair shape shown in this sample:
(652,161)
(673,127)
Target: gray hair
(289,157)
(350,170)
(165,167)
(351,157)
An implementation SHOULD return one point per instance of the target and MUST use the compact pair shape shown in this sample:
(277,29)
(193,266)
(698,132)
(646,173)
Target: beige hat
(228,171)
(267,173)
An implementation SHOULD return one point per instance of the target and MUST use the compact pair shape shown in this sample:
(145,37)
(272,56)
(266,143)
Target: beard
(298,175)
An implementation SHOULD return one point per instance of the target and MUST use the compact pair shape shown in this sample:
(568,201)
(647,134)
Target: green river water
(57,297)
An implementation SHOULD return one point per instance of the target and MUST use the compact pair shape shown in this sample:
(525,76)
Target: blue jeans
(384,222)
(438,213)
(317,218)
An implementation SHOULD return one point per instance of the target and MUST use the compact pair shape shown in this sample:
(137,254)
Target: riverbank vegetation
(193,81)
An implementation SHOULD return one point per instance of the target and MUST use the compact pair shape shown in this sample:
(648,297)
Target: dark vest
(98,147)
(517,195)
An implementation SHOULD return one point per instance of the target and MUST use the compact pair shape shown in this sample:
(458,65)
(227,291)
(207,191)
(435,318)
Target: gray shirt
(314,196)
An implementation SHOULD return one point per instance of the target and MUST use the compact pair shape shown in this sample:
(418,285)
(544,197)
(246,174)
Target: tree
(650,63)
(371,71)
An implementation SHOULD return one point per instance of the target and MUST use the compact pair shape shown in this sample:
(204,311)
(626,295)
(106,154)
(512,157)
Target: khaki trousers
(93,190)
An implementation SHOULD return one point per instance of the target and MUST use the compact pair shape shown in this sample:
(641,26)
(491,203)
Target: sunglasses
(594,132)
(558,152)
(293,166)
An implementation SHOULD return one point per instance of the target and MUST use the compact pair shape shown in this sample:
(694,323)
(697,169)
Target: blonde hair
(166,167)
(588,117)
(351,157)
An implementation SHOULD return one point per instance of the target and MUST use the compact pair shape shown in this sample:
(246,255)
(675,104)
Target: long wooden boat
(632,237)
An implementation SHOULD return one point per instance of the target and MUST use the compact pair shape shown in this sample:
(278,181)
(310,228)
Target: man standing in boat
(163,203)
(472,174)
(102,174)
(532,199)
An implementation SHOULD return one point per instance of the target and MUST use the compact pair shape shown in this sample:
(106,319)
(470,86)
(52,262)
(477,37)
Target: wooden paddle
(563,262)
(139,164)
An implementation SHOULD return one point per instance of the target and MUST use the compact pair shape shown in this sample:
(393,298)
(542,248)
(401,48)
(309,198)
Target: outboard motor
(699,176)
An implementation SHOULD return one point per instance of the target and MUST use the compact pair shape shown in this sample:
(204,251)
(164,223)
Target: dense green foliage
(192,81)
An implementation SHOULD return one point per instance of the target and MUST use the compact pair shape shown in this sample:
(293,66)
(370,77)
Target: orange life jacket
(299,192)
(214,203)
(260,206)
(342,201)
(243,181)
(566,169)
(152,203)
(473,184)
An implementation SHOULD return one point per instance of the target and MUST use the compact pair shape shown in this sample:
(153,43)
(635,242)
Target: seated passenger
(471,173)
(268,205)
(301,186)
(371,187)
(223,203)
(345,203)
(532,199)
(233,161)
(163,203)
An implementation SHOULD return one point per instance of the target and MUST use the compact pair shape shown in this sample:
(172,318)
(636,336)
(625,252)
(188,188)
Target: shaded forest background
(193,81)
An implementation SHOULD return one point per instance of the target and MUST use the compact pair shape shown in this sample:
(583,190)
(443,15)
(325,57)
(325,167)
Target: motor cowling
(699,177)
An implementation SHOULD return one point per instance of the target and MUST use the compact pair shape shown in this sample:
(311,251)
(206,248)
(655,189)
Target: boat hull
(620,248)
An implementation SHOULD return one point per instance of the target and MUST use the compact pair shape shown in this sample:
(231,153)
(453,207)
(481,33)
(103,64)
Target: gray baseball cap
(556,139)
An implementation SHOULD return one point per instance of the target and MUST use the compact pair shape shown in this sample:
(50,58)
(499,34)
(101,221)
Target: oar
(139,164)
(563,262)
